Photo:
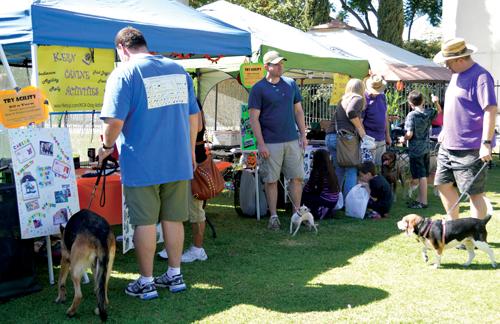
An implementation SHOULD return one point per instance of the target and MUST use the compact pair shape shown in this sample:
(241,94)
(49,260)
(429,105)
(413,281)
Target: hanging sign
(339,83)
(22,108)
(46,188)
(251,73)
(74,78)
(248,140)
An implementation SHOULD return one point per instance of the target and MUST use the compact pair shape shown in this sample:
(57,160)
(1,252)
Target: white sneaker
(163,254)
(193,254)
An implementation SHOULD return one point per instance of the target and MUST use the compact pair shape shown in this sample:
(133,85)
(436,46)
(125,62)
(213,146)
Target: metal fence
(316,98)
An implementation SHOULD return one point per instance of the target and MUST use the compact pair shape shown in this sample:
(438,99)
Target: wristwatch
(486,142)
(107,147)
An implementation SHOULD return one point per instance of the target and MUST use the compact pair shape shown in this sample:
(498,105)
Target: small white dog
(303,215)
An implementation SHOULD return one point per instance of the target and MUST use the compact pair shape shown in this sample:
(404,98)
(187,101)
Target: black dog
(87,241)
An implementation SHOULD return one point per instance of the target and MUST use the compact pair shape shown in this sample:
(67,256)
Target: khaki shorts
(150,204)
(460,166)
(287,157)
(196,211)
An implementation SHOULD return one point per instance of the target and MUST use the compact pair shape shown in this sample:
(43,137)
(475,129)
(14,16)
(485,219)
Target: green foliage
(395,100)
(317,12)
(423,48)
(391,21)
(417,8)
(290,12)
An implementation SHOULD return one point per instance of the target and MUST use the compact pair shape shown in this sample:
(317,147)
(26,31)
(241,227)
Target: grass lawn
(352,271)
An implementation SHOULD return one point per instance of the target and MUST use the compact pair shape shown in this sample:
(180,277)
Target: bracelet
(107,147)
(486,142)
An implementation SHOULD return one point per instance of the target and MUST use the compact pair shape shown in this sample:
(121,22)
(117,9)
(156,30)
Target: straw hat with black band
(453,49)
(375,84)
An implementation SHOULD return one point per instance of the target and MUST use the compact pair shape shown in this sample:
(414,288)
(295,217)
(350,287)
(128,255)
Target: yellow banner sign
(339,83)
(22,108)
(74,78)
(251,73)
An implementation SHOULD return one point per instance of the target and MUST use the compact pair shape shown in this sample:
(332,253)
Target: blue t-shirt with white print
(154,97)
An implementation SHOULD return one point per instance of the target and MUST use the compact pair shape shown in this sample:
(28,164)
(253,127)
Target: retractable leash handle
(485,164)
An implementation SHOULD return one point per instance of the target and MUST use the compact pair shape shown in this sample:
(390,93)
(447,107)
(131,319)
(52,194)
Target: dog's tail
(102,259)
(489,211)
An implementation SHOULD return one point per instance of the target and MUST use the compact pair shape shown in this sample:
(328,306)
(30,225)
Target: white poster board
(45,180)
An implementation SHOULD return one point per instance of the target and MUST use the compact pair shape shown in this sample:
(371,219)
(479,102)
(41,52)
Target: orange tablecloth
(112,209)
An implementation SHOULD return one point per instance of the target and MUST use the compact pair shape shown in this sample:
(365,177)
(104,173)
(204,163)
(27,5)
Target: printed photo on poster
(46,148)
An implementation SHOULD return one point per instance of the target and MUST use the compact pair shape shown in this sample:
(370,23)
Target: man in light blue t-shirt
(150,110)
(275,114)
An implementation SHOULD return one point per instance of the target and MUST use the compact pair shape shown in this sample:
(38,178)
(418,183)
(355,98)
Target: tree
(290,12)
(361,9)
(423,48)
(417,8)
(317,12)
(391,21)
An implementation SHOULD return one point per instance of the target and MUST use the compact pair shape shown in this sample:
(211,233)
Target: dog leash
(470,184)
(101,172)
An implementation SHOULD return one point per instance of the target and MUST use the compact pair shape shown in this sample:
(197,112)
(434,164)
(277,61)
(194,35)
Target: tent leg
(49,259)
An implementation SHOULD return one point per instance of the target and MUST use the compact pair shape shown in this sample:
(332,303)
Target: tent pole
(34,82)
(5,63)
(216,103)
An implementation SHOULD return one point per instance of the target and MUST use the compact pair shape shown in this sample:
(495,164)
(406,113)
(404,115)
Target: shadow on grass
(247,265)
(473,266)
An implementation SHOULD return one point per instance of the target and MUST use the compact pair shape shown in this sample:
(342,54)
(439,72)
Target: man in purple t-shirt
(375,119)
(468,128)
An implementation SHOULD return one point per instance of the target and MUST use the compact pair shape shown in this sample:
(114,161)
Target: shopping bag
(356,202)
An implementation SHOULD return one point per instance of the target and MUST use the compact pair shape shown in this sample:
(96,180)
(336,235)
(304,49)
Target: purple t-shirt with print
(467,95)
(374,116)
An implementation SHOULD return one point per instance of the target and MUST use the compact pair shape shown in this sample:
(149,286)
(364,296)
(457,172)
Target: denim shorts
(460,166)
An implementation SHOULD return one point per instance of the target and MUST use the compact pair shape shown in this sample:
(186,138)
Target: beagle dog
(440,235)
(303,215)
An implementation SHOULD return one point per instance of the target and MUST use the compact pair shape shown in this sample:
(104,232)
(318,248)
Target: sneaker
(373,215)
(417,205)
(163,254)
(193,254)
(175,284)
(146,291)
(274,223)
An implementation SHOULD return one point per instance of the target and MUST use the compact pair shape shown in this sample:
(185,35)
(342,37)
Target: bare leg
(422,190)
(449,197)
(478,206)
(174,234)
(296,193)
(198,233)
(272,196)
(145,246)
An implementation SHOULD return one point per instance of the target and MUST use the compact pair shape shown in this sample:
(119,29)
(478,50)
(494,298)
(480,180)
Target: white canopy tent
(388,60)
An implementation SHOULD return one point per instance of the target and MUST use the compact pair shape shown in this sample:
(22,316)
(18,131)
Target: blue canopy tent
(169,27)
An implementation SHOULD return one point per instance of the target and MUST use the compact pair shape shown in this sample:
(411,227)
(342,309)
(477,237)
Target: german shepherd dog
(87,241)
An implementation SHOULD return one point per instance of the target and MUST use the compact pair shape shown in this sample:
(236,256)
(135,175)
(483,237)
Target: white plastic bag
(340,202)
(356,202)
